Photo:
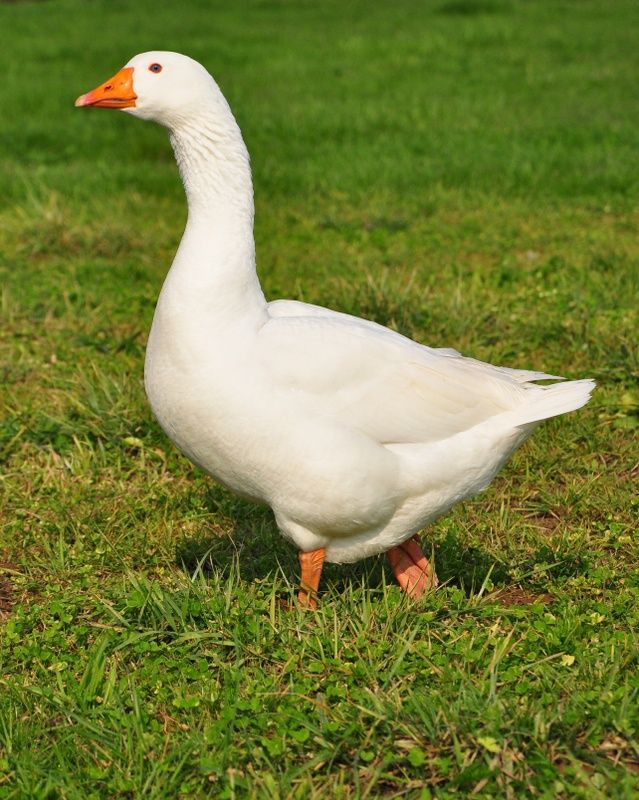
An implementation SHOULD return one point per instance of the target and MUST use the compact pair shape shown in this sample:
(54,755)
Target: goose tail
(551,401)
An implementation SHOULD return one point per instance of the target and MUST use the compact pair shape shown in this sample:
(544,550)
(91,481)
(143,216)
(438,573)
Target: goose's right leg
(411,568)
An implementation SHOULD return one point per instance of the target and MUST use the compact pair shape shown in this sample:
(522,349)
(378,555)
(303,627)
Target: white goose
(356,437)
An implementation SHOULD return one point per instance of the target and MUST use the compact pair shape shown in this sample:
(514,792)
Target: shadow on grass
(256,544)
(465,565)
(472,8)
(469,566)
(259,548)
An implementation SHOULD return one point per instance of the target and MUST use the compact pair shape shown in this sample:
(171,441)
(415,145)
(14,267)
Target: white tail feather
(551,401)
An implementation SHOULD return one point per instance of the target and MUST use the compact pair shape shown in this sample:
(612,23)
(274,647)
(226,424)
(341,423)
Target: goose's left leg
(311,564)
(411,568)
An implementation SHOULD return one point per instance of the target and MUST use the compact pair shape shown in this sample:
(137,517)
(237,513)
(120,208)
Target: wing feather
(368,377)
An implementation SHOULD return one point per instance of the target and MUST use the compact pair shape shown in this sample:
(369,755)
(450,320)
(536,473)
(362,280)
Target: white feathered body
(354,435)
(357,437)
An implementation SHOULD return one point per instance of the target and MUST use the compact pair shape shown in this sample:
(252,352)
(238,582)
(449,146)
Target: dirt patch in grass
(515,596)
(544,523)
(7,594)
(619,751)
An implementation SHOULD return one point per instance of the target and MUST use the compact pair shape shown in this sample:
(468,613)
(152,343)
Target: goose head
(168,88)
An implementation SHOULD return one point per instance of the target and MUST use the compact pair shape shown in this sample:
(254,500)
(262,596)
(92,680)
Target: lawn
(464,171)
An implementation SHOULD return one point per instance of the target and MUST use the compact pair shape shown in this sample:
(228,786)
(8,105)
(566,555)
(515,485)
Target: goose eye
(155,68)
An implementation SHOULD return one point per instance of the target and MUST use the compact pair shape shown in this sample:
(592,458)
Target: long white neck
(213,273)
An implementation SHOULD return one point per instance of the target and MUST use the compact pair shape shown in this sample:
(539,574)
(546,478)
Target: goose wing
(365,376)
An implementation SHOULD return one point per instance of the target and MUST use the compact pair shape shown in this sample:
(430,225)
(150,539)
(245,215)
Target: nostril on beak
(108,86)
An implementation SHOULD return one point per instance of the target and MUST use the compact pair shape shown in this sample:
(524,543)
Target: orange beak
(117,92)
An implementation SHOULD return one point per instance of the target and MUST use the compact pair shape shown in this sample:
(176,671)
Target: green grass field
(464,171)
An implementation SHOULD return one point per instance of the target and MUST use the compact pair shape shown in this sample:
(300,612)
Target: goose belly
(318,477)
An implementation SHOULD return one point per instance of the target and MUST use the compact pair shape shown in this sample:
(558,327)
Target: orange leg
(311,564)
(411,568)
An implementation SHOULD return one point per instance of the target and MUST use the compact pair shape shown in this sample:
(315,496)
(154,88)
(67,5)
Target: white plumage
(357,437)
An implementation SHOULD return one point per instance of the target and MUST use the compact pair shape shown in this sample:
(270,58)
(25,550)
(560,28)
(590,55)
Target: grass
(459,170)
